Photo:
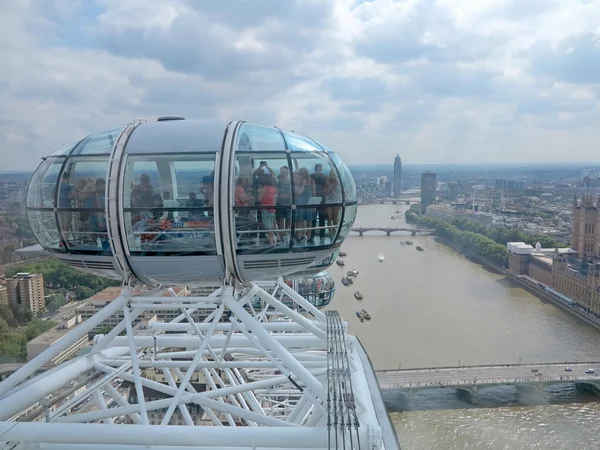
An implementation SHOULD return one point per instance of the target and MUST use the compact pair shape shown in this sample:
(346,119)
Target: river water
(436,308)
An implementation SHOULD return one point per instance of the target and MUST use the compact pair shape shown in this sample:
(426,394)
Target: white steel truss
(262,368)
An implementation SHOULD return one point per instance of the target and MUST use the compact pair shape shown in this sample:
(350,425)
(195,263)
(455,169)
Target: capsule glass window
(42,187)
(82,205)
(348,185)
(169,204)
(350,212)
(318,199)
(262,202)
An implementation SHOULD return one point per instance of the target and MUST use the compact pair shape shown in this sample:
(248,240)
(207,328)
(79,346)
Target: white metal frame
(268,376)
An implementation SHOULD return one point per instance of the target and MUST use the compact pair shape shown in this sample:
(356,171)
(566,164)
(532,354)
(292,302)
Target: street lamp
(519,361)
(459,363)
(400,366)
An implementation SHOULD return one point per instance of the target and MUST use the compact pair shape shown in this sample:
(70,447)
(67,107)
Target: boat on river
(349,280)
(381,258)
(421,249)
(345,281)
(363,315)
(409,242)
(340,262)
(342,254)
(354,272)
(358,295)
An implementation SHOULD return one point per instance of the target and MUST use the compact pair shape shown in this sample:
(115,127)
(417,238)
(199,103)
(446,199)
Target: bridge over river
(390,230)
(467,379)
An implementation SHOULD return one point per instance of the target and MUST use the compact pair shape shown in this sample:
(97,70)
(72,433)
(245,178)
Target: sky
(435,81)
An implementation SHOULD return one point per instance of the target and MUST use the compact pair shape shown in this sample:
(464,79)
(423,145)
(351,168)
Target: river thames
(437,308)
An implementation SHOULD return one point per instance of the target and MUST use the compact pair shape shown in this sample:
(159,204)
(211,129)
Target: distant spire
(574,199)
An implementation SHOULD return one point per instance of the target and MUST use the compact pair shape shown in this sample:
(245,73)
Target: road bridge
(389,230)
(467,379)
(390,201)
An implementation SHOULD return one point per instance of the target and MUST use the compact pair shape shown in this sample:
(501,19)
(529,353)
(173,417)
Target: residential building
(3,295)
(27,290)
(397,176)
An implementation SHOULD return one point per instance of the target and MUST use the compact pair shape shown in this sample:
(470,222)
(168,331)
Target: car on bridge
(568,369)
(590,371)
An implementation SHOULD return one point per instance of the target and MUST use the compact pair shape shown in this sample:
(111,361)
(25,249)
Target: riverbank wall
(544,295)
(532,289)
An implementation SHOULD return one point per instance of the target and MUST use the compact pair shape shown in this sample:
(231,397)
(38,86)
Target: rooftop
(109,294)
(52,335)
(543,258)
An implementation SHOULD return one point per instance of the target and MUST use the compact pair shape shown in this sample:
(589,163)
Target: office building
(27,290)
(388,188)
(428,189)
(42,342)
(397,176)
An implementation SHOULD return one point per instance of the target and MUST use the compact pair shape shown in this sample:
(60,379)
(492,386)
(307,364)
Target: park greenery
(471,237)
(62,280)
(17,327)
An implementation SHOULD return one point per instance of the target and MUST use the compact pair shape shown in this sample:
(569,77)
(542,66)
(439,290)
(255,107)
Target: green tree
(55,301)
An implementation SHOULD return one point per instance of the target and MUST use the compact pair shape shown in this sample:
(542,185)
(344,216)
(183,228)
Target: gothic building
(558,269)
(585,224)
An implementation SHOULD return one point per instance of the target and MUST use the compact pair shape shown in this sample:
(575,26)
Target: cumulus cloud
(433,80)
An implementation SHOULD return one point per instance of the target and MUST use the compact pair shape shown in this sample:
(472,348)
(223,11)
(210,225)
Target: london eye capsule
(184,202)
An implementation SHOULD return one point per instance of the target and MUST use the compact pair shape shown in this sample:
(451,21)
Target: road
(456,376)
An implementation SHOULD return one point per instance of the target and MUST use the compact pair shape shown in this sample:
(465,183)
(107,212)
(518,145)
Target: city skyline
(519,77)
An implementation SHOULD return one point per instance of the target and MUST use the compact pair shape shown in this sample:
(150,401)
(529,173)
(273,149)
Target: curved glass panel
(42,187)
(65,149)
(259,138)
(318,198)
(43,226)
(298,143)
(348,185)
(98,143)
(168,204)
(262,199)
(349,217)
(82,203)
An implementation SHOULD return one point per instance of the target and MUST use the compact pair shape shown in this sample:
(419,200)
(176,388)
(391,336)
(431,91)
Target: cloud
(435,80)
(575,60)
